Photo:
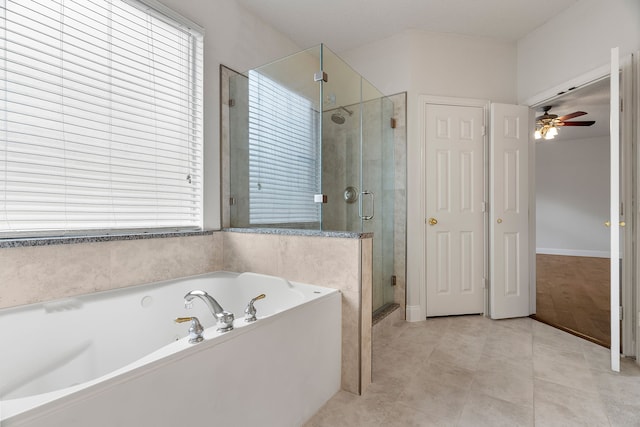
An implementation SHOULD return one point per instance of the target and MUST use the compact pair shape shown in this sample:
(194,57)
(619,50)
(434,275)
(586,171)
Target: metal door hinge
(484,283)
(393,280)
(320,76)
(621,313)
(485,207)
(483,130)
(320,198)
(232,102)
(232,201)
(393,123)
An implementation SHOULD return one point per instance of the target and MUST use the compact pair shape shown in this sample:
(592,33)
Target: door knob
(432,221)
(608,223)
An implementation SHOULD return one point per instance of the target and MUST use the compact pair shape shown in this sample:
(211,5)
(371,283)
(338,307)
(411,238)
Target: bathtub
(117,358)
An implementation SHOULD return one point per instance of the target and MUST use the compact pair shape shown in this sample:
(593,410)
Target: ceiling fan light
(552,132)
(537,134)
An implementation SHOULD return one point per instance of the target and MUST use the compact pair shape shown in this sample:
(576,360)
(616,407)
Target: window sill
(64,240)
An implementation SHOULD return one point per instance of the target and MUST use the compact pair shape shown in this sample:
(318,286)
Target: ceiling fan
(547,124)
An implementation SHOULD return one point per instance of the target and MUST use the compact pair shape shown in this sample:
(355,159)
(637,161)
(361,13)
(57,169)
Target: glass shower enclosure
(311,147)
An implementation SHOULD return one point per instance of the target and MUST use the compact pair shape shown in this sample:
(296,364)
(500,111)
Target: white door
(509,212)
(454,223)
(615,209)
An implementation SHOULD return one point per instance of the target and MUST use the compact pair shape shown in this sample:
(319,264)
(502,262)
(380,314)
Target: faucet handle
(225,321)
(195,330)
(250,311)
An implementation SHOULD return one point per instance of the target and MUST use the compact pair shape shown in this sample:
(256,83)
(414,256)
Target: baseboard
(413,314)
(573,252)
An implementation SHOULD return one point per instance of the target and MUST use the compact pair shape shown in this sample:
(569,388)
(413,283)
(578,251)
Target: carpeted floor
(573,295)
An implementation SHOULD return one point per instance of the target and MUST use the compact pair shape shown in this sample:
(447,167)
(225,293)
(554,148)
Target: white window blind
(101,127)
(283,154)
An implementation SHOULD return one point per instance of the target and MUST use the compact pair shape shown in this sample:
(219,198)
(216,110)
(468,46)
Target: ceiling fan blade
(580,123)
(572,115)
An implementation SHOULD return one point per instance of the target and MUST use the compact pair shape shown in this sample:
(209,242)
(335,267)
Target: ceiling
(346,24)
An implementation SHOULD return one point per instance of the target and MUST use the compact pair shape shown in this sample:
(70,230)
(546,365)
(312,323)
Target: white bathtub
(117,358)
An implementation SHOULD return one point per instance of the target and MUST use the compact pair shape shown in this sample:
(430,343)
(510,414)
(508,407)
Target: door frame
(630,292)
(423,101)
(635,135)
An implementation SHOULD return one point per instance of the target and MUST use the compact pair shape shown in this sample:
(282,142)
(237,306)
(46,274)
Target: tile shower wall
(41,273)
(339,263)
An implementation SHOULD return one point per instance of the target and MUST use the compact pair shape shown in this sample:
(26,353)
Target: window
(283,155)
(101,128)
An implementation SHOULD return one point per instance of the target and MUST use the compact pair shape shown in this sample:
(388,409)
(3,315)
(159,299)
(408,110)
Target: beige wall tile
(324,261)
(366,299)
(42,273)
(251,252)
(150,260)
(351,341)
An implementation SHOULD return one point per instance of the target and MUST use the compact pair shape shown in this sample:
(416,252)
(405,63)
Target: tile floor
(472,371)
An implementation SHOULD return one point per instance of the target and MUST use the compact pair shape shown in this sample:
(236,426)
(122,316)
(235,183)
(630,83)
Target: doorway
(572,205)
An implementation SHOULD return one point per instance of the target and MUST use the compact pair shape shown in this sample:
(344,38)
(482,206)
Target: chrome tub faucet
(223,317)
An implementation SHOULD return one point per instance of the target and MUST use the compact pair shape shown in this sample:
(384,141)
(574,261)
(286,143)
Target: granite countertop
(17,242)
(302,232)
(62,240)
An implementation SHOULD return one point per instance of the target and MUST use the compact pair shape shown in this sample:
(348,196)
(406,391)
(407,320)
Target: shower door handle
(373,205)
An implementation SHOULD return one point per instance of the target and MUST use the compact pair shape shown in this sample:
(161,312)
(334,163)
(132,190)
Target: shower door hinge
(393,123)
(393,280)
(320,76)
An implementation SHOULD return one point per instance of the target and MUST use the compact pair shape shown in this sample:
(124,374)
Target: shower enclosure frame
(354,157)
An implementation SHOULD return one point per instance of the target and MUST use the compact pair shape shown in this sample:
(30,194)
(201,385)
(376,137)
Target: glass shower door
(378,196)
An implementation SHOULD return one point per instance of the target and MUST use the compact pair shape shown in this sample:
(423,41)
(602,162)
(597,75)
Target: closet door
(509,212)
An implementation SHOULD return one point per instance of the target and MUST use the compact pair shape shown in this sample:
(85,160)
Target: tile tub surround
(336,262)
(473,371)
(30,274)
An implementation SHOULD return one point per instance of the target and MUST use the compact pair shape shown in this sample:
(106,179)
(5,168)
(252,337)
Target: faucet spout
(208,299)
(223,317)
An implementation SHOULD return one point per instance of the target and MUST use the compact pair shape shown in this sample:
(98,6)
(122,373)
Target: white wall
(572,197)
(576,42)
(450,65)
(238,39)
